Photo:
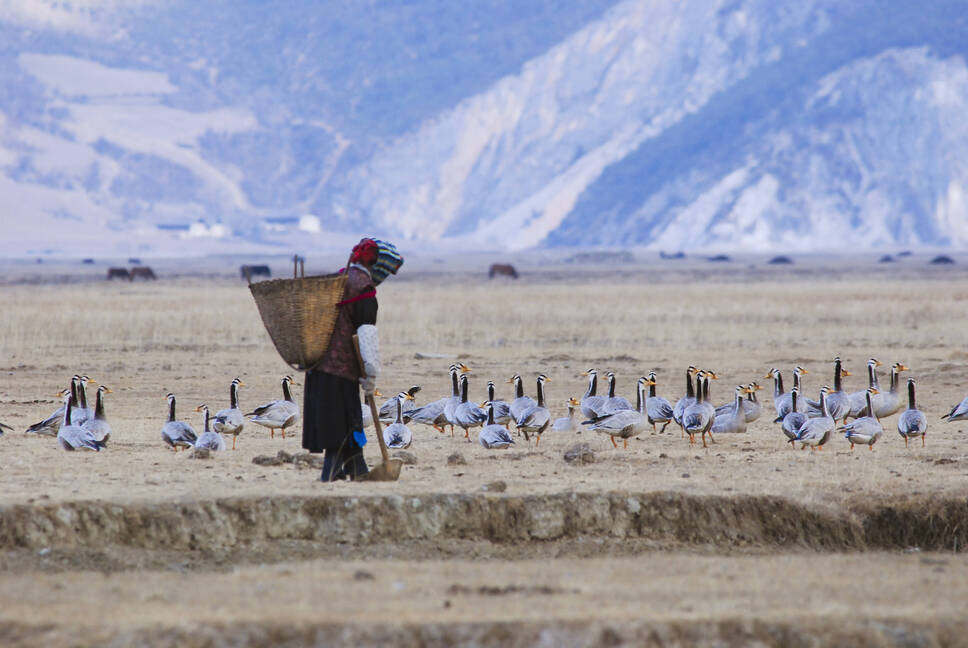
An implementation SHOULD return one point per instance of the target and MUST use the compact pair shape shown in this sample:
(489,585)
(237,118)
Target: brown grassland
(191,334)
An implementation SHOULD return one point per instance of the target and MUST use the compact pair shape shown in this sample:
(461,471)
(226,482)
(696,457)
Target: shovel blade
(389,471)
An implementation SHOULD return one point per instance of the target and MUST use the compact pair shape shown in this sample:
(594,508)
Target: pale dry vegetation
(192,336)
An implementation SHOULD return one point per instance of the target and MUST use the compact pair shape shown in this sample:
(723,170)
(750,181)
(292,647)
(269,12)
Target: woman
(332,421)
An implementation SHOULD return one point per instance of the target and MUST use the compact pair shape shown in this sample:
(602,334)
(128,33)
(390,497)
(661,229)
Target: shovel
(389,470)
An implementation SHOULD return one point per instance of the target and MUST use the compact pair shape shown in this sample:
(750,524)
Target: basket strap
(360,297)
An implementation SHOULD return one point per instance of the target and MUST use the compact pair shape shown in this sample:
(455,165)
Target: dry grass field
(192,333)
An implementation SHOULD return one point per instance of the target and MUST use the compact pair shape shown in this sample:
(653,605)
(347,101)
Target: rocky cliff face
(676,124)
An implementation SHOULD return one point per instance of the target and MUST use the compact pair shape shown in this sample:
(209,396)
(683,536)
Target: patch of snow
(75,77)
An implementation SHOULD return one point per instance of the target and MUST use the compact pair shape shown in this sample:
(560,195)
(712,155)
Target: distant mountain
(132,126)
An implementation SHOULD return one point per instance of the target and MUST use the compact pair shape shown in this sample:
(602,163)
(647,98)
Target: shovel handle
(372,403)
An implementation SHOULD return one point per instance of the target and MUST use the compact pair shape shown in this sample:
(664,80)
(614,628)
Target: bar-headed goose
(50,425)
(912,422)
(567,423)
(887,404)
(615,403)
(467,414)
(624,424)
(699,417)
(397,435)
(72,437)
(782,402)
(686,400)
(521,403)
(433,413)
(502,410)
(451,404)
(99,426)
(592,405)
(858,399)
(388,410)
(838,401)
(536,418)
(867,429)
(494,435)
(276,414)
(732,420)
(958,413)
(176,434)
(208,439)
(794,419)
(815,432)
(230,420)
(657,409)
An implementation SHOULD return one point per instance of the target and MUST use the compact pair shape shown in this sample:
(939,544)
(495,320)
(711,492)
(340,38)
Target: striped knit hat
(388,261)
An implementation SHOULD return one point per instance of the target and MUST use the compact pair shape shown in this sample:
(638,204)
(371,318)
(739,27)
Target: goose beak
(712,374)
(650,383)
(547,379)
(875,391)
(198,409)
(242,384)
(108,390)
(465,369)
(408,397)
(584,373)
(901,367)
(877,363)
(844,373)
(376,392)
(769,375)
(91,381)
(757,387)
(803,371)
(510,381)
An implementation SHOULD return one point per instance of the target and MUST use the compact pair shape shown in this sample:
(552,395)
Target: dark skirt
(331,412)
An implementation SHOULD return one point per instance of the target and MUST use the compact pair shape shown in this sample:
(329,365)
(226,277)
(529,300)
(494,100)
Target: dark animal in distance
(118,273)
(502,270)
(249,271)
(942,259)
(144,272)
(780,260)
(673,255)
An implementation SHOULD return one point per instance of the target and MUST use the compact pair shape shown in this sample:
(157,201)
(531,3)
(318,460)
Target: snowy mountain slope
(688,124)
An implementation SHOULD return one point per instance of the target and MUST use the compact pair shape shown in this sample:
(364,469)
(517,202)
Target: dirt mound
(658,519)
(727,632)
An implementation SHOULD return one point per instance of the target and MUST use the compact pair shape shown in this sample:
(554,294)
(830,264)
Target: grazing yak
(249,271)
(118,273)
(502,270)
(143,272)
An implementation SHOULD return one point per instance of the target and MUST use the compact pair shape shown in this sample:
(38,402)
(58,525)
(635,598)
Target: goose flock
(809,423)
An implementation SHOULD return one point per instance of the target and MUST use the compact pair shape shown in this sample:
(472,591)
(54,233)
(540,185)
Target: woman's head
(380,257)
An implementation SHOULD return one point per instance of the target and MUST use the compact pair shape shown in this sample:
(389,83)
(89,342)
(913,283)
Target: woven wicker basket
(299,315)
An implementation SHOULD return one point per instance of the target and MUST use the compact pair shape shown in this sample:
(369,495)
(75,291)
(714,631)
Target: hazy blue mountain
(178,127)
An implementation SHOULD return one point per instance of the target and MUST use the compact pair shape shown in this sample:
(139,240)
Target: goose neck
(99,406)
(912,401)
(286,393)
